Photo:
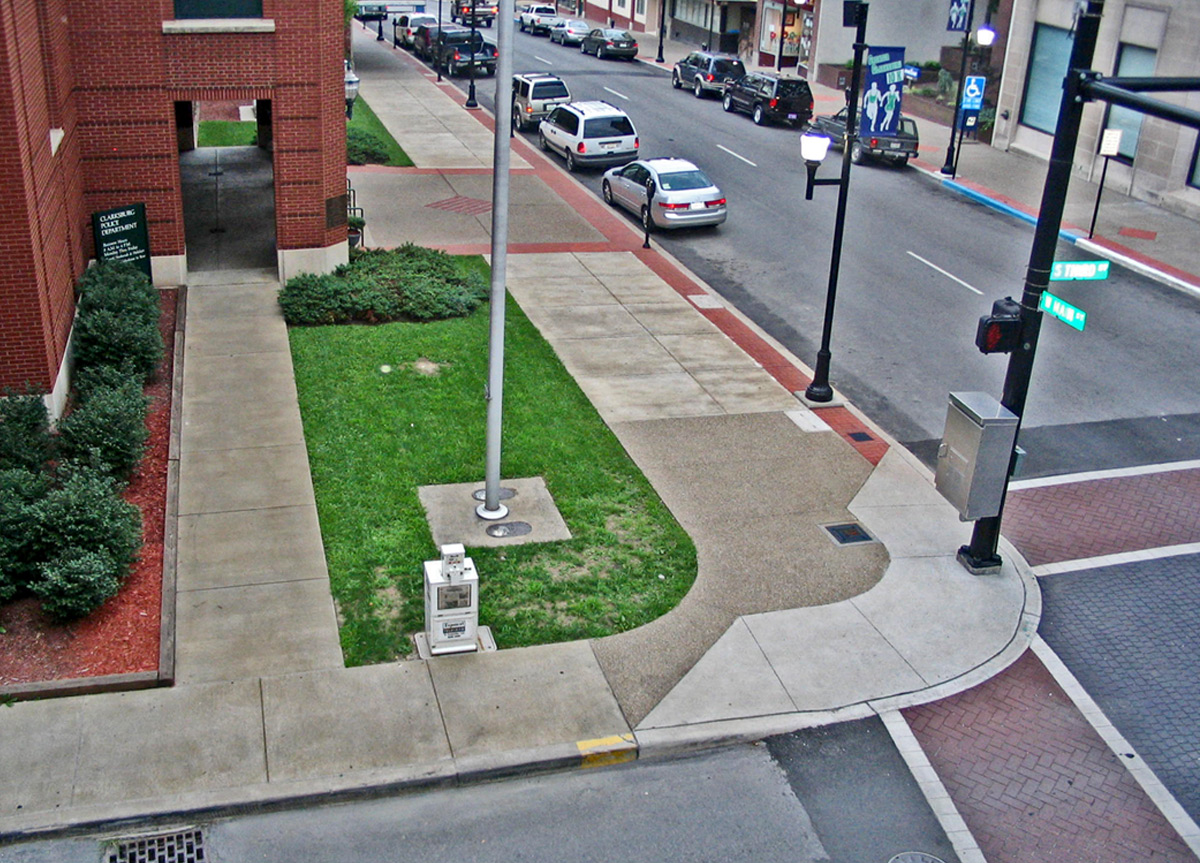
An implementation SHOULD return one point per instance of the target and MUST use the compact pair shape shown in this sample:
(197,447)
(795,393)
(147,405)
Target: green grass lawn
(374,437)
(365,119)
(227,133)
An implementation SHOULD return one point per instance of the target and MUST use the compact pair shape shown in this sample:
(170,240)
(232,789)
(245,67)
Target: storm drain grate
(849,533)
(183,846)
(861,437)
(915,857)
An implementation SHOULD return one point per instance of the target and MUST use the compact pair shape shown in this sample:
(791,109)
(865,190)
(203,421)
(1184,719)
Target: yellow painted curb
(607,750)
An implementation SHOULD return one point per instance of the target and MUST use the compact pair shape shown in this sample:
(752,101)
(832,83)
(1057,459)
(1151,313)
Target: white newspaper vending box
(451,602)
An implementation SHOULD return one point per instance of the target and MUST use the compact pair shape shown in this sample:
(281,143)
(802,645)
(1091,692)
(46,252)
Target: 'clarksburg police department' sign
(121,234)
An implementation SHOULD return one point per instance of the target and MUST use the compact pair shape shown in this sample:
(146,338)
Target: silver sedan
(569,32)
(684,196)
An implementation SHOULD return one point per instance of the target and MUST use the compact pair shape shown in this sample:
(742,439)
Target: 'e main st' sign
(121,234)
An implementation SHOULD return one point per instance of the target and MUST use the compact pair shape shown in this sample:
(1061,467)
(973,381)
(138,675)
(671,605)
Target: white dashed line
(947,275)
(737,156)
(615,93)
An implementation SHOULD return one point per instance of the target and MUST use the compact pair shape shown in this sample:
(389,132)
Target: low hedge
(410,283)
(117,321)
(363,148)
(107,428)
(25,440)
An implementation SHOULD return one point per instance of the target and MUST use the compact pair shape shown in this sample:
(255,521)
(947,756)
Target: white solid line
(1116,742)
(615,93)
(1116,559)
(947,275)
(543,60)
(936,795)
(1141,470)
(737,156)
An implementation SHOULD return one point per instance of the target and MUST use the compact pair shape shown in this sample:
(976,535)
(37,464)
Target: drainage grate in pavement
(861,437)
(182,846)
(915,857)
(849,533)
(462,204)
(509,528)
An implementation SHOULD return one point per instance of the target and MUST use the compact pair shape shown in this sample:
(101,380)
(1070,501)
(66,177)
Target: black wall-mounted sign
(121,234)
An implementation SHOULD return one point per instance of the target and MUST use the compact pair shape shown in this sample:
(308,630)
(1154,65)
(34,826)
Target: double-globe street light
(813,148)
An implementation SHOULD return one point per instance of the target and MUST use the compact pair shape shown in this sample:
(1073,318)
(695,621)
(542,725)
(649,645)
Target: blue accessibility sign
(972,98)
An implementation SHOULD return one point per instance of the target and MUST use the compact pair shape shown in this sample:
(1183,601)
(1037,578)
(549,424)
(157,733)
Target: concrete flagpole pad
(532,514)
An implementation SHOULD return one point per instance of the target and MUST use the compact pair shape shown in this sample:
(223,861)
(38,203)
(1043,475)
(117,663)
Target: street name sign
(1063,310)
(1067,271)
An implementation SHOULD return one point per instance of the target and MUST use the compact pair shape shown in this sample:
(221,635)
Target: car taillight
(636,143)
(773,102)
(667,206)
(718,202)
(528,109)
(874,142)
(710,77)
(457,56)
(581,147)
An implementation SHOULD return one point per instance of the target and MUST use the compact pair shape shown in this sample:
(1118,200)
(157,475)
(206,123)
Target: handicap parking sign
(972,99)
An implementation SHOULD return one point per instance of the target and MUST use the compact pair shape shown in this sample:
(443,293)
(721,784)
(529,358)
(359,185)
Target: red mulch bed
(122,636)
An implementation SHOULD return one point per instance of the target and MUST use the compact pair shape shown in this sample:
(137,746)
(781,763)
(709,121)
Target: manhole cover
(849,533)
(505,493)
(915,857)
(509,528)
(183,846)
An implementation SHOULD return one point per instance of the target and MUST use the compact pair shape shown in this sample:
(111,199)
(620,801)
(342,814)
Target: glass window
(1133,61)
(1048,61)
(218,8)
(607,127)
(680,181)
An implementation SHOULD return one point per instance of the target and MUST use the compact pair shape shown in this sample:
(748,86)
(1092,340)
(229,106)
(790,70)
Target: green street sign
(1063,310)
(1067,271)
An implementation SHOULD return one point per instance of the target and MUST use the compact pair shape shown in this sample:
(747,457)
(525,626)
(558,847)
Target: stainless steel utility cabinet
(973,458)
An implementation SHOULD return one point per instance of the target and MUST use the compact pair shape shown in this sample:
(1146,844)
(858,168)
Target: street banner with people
(884,90)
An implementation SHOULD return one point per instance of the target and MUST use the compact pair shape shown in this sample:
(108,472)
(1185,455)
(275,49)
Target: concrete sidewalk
(783,629)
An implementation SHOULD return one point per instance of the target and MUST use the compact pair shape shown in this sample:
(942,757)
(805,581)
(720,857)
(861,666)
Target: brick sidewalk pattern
(1104,516)
(1032,779)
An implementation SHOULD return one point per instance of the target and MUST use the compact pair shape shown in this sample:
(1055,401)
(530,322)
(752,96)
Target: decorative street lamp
(352,82)
(985,37)
(854,14)
(471,103)
(662,25)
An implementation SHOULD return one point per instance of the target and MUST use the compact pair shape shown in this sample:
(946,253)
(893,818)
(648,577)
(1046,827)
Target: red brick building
(96,104)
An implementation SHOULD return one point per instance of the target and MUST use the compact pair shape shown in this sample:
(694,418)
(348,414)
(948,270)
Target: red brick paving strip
(1104,516)
(1034,781)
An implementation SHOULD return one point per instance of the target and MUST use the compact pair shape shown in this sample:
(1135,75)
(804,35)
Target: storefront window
(1048,61)
(1133,61)
(218,8)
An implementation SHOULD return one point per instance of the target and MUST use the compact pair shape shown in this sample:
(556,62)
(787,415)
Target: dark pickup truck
(897,149)
(451,51)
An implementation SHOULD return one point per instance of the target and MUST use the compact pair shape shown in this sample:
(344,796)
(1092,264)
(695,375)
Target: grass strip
(374,436)
(366,120)
(227,133)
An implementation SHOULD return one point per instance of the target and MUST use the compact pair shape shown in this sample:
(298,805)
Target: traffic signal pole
(980,555)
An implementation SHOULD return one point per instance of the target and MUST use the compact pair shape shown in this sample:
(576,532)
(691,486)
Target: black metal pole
(779,54)
(437,66)
(1099,192)
(820,390)
(981,554)
(951,165)
(471,102)
(662,26)
(379,38)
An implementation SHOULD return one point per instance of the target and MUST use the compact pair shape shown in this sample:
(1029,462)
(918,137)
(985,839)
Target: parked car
(452,52)
(569,31)
(426,34)
(483,11)
(770,98)
(406,27)
(705,72)
(897,149)
(538,19)
(684,196)
(606,42)
(535,95)
(589,133)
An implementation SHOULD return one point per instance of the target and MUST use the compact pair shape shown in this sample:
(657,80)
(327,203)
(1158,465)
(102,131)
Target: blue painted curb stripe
(999,206)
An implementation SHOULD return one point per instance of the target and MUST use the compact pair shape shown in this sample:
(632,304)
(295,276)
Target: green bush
(117,323)
(25,440)
(379,285)
(87,380)
(84,511)
(107,429)
(363,148)
(119,287)
(77,582)
(20,491)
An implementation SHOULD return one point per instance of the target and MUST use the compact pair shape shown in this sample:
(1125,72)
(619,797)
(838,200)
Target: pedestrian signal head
(1000,332)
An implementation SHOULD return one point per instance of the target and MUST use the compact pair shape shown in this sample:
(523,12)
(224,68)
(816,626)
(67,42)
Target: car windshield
(576,25)
(679,181)
(607,127)
(729,67)
(908,127)
(792,88)
(550,90)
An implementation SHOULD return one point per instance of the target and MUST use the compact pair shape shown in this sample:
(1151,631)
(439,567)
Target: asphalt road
(919,266)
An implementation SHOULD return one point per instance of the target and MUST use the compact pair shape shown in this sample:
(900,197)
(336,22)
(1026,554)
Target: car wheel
(571,165)
(452,70)
(698,89)
(516,120)
(759,116)
(856,152)
(583,47)
(606,191)
(522,27)
(600,52)
(727,102)
(543,143)
(647,221)
(675,82)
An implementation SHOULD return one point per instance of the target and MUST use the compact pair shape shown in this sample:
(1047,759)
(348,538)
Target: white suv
(589,133)
(536,94)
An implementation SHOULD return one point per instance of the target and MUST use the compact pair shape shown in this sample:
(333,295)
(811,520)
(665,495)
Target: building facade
(97,102)
(1157,160)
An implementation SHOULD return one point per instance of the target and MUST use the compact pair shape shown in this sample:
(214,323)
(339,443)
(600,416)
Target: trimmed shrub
(363,148)
(107,429)
(314,299)
(85,512)
(20,491)
(77,582)
(87,380)
(119,287)
(25,440)
(107,338)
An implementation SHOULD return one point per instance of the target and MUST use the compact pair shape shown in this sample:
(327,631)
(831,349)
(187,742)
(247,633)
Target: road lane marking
(737,156)
(543,60)
(615,93)
(947,275)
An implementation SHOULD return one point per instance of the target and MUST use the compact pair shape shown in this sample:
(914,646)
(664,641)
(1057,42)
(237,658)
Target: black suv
(705,72)
(451,49)
(770,98)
